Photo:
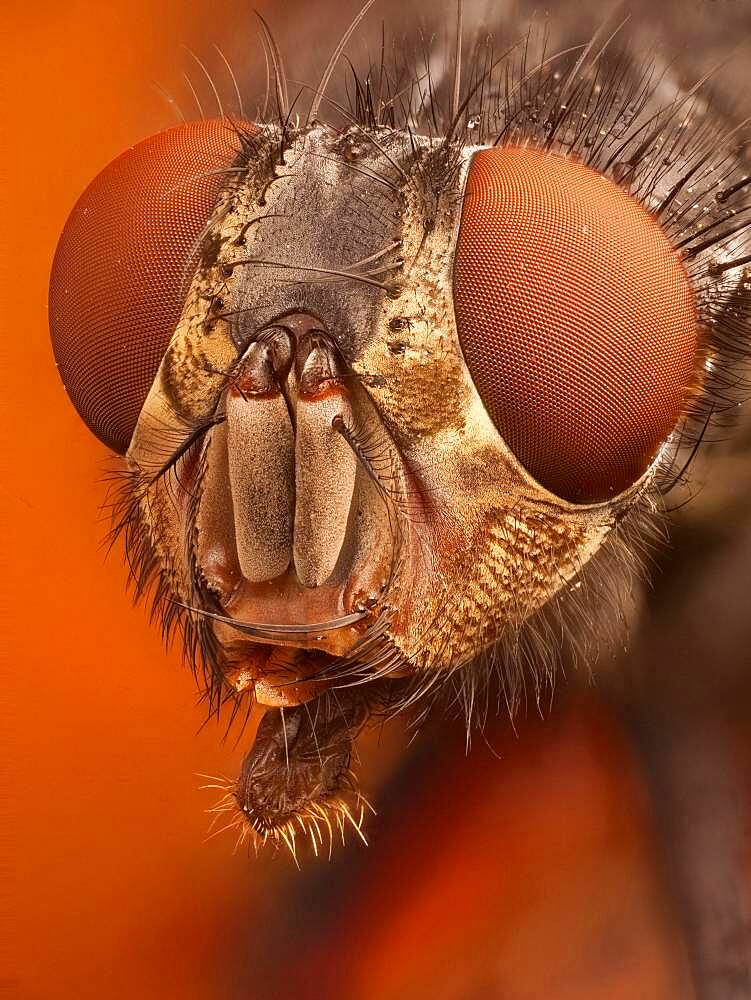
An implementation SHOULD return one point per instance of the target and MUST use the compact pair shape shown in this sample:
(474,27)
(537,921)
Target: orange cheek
(576,318)
(123,266)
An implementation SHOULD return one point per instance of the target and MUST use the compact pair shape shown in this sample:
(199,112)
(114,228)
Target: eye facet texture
(123,266)
(576,318)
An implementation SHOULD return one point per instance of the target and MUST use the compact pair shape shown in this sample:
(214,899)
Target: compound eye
(576,318)
(123,266)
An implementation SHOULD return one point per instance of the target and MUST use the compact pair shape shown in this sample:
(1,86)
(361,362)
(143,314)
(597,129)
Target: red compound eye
(576,318)
(123,265)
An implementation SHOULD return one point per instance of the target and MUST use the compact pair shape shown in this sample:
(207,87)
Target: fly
(400,382)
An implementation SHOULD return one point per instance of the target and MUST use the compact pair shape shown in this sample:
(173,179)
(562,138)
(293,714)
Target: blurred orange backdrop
(529,877)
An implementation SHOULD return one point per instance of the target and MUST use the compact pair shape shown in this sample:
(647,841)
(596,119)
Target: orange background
(529,877)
